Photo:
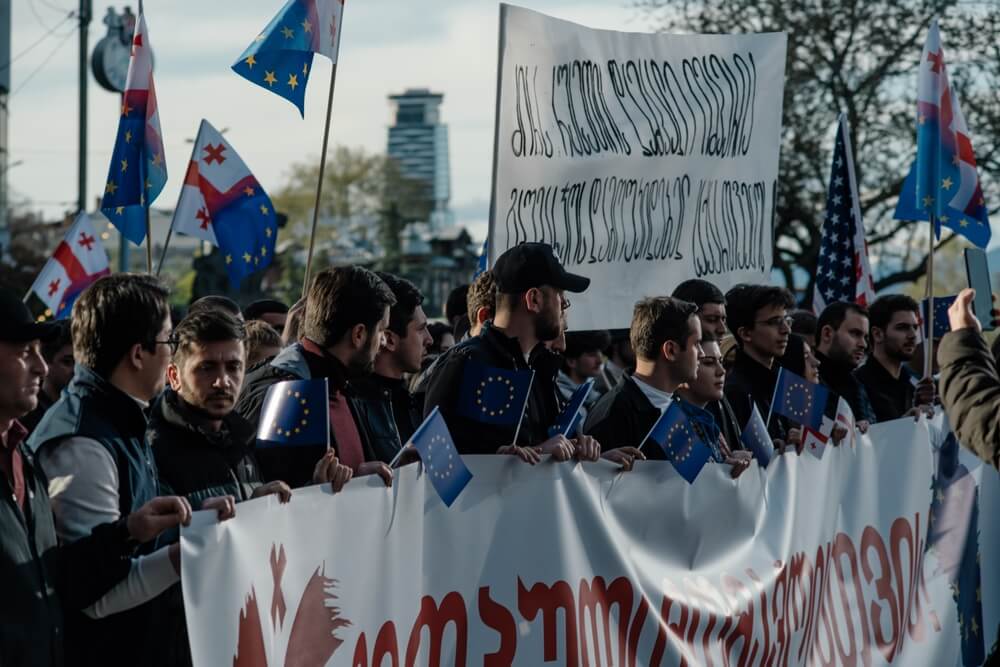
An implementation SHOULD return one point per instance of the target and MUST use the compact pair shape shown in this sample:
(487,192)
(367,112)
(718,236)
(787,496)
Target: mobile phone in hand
(978,271)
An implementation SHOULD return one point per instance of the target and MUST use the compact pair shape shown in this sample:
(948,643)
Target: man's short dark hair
(262,307)
(803,323)
(215,302)
(743,302)
(455,305)
(115,313)
(341,298)
(261,334)
(579,343)
(206,326)
(63,337)
(408,297)
(708,337)
(699,292)
(835,314)
(884,307)
(658,319)
(482,294)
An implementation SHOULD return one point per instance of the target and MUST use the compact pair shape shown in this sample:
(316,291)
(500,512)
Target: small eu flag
(799,399)
(494,395)
(483,260)
(295,414)
(441,460)
(680,442)
(280,58)
(941,323)
(757,439)
(568,418)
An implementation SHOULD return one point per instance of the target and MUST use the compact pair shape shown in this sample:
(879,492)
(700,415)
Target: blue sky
(449,46)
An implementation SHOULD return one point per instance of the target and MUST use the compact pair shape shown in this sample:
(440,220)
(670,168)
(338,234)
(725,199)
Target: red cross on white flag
(76,262)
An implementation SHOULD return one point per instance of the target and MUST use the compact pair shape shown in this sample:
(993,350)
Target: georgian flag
(78,261)
(816,440)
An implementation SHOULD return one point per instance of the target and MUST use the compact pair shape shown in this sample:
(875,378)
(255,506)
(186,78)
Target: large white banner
(644,159)
(812,561)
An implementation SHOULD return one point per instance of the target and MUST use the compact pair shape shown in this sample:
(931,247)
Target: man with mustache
(891,386)
(346,314)
(841,344)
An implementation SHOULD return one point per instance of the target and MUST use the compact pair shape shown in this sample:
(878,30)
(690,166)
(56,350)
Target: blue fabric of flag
(756,438)
(483,260)
(442,462)
(295,413)
(680,443)
(246,231)
(799,399)
(941,323)
(493,395)
(570,414)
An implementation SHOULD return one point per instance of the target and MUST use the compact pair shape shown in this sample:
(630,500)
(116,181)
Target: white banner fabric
(812,561)
(644,159)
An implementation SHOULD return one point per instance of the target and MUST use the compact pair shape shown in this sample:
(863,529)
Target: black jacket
(840,379)
(494,349)
(727,422)
(388,413)
(748,383)
(890,398)
(295,465)
(623,418)
(31,420)
(39,579)
(92,407)
(197,463)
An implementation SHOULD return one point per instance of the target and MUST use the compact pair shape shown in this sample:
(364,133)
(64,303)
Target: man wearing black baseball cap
(38,577)
(531,287)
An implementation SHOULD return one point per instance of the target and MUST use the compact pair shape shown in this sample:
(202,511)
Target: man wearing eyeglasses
(841,346)
(758,318)
(91,445)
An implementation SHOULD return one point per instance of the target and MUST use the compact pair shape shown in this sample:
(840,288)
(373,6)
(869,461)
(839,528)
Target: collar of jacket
(322,364)
(756,371)
(375,385)
(118,406)
(835,372)
(541,359)
(178,413)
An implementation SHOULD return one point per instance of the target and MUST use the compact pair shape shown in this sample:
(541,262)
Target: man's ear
(359,334)
(134,356)
(391,341)
(743,333)
(826,334)
(533,300)
(174,376)
(669,350)
(876,334)
(483,314)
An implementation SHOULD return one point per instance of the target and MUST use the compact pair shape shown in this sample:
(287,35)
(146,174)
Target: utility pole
(86,12)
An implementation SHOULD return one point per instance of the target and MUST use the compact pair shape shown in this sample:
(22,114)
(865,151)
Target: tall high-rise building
(418,140)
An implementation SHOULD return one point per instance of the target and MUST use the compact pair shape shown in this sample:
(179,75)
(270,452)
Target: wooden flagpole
(319,184)
(166,244)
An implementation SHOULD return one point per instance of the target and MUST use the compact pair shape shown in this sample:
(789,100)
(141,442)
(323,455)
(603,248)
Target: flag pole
(166,244)
(929,342)
(149,244)
(319,184)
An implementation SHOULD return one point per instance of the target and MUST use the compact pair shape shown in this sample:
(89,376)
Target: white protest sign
(644,159)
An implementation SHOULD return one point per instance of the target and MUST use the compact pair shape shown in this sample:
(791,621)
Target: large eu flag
(441,460)
(680,442)
(295,413)
(280,58)
(799,399)
(493,395)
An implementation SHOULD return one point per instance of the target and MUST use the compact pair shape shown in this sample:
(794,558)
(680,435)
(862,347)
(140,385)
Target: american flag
(843,272)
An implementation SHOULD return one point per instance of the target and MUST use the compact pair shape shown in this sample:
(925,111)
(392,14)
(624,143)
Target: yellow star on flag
(247,257)
(293,80)
(248,190)
(229,259)
(946,183)
(148,184)
(157,159)
(267,232)
(263,251)
(110,187)
(120,210)
(124,165)
(307,26)
(128,136)
(963,223)
(126,109)
(928,200)
(287,32)
(263,209)
(250,61)
(305,69)
(270,79)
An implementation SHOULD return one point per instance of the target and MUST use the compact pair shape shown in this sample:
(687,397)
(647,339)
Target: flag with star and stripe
(843,272)
(947,186)
(280,58)
(138,168)
(78,261)
(223,203)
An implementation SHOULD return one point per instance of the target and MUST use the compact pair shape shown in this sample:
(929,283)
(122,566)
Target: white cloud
(449,46)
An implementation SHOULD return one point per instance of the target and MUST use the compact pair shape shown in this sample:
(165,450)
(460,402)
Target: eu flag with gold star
(295,414)
(493,395)
(757,439)
(138,170)
(680,442)
(442,462)
(800,400)
(280,58)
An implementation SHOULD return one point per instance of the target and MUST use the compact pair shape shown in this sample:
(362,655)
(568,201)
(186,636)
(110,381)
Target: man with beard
(841,343)
(531,286)
(757,316)
(892,388)
(385,406)
(346,313)
(666,337)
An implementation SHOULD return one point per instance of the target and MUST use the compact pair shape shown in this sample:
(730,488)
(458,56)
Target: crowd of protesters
(116,425)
